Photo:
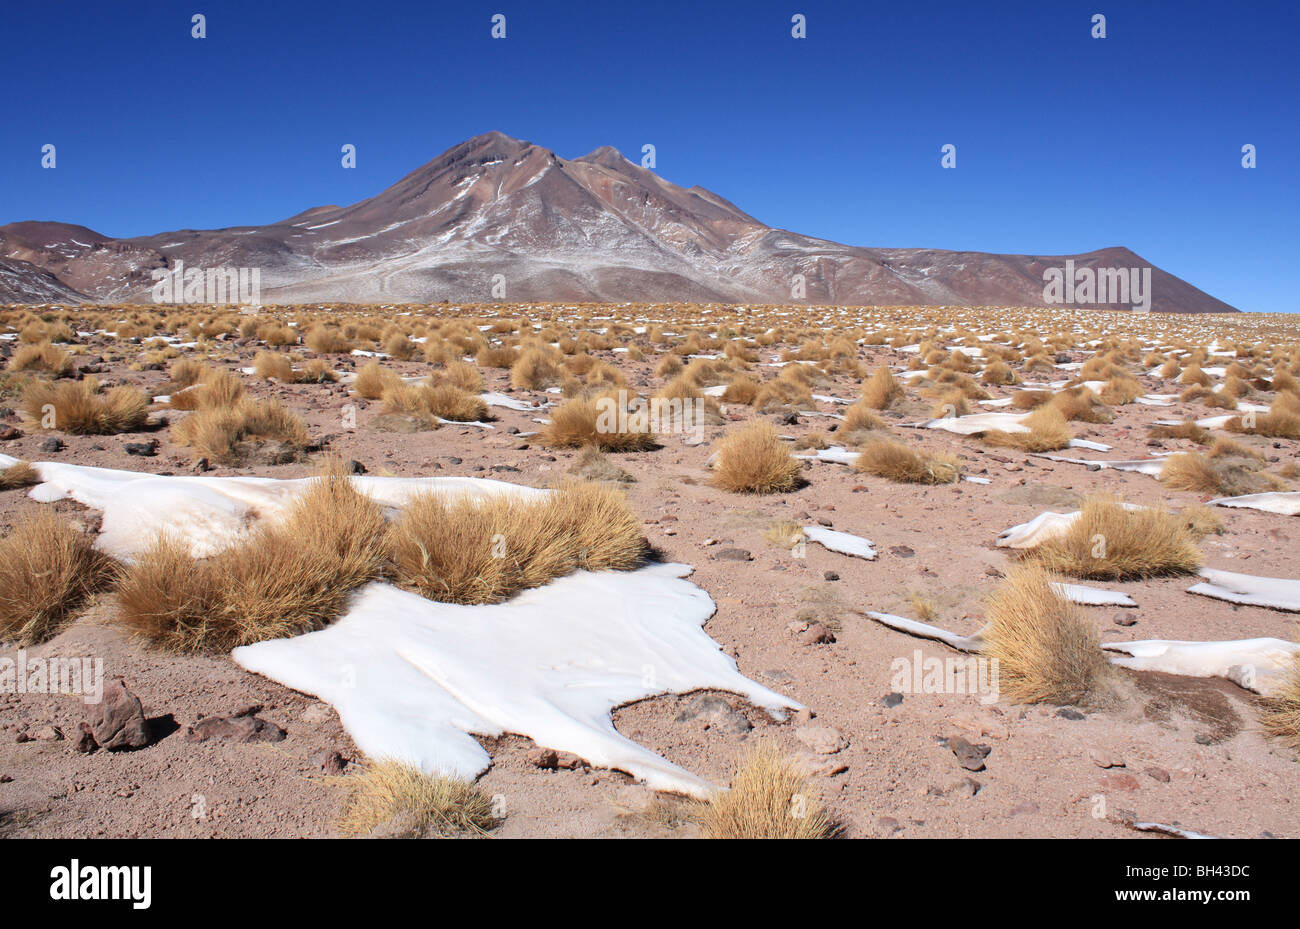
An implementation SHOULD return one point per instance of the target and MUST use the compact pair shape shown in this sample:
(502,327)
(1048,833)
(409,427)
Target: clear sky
(1065,143)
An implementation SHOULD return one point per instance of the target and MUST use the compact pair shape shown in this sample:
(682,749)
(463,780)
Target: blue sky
(1065,143)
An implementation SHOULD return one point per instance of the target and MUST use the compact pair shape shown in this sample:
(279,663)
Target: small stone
(235,729)
(85,741)
(1104,759)
(142,449)
(51,445)
(714,712)
(823,740)
(1119,780)
(732,554)
(119,720)
(1070,713)
(902,551)
(48,734)
(356,467)
(891,700)
(966,788)
(331,762)
(1125,619)
(887,825)
(1158,774)
(830,576)
(544,758)
(820,765)
(969,756)
(816,634)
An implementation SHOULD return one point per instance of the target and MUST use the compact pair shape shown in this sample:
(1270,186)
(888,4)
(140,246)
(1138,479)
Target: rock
(544,758)
(966,788)
(980,725)
(1119,781)
(48,734)
(902,551)
(969,756)
(143,449)
(51,445)
(830,576)
(1159,774)
(85,740)
(9,432)
(1070,713)
(356,467)
(118,721)
(788,419)
(816,634)
(1125,619)
(891,700)
(716,713)
(887,825)
(1104,759)
(241,729)
(819,765)
(732,554)
(821,739)
(331,762)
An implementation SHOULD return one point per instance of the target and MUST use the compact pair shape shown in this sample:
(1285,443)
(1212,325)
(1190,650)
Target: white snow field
(412,678)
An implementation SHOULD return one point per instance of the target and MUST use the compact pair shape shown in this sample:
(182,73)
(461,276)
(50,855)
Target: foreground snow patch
(411,678)
(846,543)
(209,514)
(1273,592)
(1286,503)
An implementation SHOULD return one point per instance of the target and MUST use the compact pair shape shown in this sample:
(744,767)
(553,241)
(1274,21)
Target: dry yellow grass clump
(897,462)
(1282,421)
(285,579)
(48,569)
(1230,473)
(594,421)
(1045,651)
(1048,431)
(223,434)
(20,474)
(770,798)
(408,803)
(1109,541)
(437,401)
(535,369)
(467,550)
(41,357)
(882,389)
(82,408)
(1280,714)
(752,459)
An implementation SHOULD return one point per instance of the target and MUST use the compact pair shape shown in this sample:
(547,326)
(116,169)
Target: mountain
(596,228)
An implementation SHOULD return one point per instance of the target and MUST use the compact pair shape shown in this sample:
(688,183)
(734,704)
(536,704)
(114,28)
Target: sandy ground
(1181,751)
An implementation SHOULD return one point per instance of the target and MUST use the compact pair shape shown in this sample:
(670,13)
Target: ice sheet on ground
(209,514)
(1283,504)
(1151,466)
(1261,665)
(963,643)
(411,678)
(836,453)
(846,543)
(1248,589)
(975,423)
(1092,596)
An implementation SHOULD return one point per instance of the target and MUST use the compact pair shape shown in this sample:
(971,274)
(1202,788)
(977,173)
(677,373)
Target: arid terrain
(1072,746)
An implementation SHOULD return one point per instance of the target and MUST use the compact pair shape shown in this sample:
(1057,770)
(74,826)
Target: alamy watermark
(82,676)
(973,674)
(1098,285)
(207,285)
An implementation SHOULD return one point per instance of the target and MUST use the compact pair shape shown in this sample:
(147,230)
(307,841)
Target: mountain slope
(496,215)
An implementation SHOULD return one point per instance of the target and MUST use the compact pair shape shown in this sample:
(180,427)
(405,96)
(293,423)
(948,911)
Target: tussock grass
(589,421)
(1045,651)
(594,466)
(371,381)
(444,400)
(412,804)
(48,570)
(1280,715)
(1048,431)
(770,798)
(224,434)
(20,474)
(752,459)
(1282,421)
(41,357)
(1111,542)
(897,462)
(287,578)
(465,550)
(82,408)
(784,533)
(1081,404)
(535,369)
(1184,430)
(882,389)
